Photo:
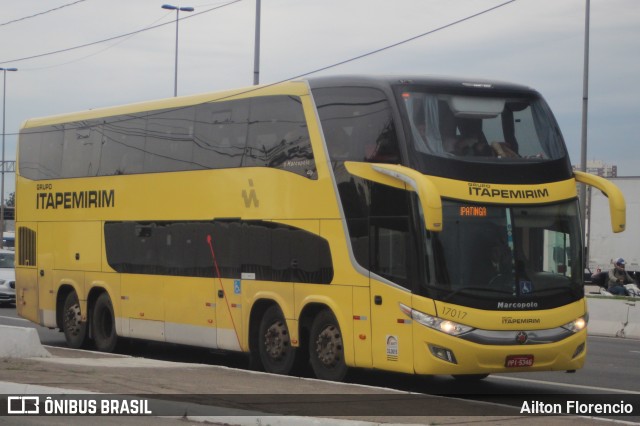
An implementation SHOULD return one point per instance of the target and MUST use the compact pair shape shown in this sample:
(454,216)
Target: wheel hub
(277,340)
(329,346)
(72,320)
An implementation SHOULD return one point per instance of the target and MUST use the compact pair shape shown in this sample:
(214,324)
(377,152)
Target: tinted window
(266,250)
(81,150)
(169,141)
(221,134)
(208,136)
(51,154)
(29,161)
(278,136)
(123,141)
(357,125)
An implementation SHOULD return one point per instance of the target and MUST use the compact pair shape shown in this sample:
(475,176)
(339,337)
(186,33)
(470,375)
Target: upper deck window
(267,131)
(357,125)
(482,128)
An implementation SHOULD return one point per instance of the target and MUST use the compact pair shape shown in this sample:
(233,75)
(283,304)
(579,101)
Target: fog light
(579,350)
(443,354)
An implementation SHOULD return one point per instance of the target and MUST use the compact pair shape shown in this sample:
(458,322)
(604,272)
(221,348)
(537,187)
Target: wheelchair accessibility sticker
(237,289)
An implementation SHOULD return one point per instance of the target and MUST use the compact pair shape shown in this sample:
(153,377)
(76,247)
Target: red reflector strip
(404,321)
(359,317)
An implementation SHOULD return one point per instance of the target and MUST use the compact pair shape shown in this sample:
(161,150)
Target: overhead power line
(372,52)
(382,49)
(68,49)
(355,58)
(41,13)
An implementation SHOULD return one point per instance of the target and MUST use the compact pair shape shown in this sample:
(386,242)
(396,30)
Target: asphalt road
(612,367)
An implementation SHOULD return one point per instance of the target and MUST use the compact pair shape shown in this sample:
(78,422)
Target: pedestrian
(618,277)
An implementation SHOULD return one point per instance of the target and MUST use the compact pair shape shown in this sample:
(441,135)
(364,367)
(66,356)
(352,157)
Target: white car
(7,277)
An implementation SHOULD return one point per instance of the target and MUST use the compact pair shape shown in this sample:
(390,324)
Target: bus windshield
(482,128)
(515,253)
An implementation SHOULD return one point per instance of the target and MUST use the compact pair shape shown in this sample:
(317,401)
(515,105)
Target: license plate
(514,361)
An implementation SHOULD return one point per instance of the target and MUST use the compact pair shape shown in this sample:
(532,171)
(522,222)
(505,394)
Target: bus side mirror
(404,178)
(617,205)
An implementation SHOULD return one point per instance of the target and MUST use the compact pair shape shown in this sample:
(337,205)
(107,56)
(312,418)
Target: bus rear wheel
(326,349)
(75,330)
(276,353)
(104,324)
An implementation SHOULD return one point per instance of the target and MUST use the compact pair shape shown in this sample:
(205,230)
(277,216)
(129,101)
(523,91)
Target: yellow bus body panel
(216,312)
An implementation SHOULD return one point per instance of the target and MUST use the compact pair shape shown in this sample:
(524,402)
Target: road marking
(15,319)
(543,382)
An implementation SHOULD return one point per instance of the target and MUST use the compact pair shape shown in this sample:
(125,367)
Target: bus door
(27,274)
(44,299)
(226,253)
(390,249)
(392,333)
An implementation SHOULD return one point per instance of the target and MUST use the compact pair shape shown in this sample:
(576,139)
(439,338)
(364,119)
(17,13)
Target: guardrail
(614,316)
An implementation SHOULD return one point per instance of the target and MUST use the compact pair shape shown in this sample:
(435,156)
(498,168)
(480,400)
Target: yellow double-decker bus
(417,225)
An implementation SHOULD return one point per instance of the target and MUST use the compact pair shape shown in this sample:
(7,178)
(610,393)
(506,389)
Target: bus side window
(122,145)
(278,136)
(221,134)
(81,149)
(169,142)
(51,153)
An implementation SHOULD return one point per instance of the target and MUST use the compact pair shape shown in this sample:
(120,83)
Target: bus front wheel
(104,324)
(326,350)
(276,353)
(75,330)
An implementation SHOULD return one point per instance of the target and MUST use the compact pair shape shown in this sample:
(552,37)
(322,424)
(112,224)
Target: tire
(326,350)
(75,330)
(104,324)
(274,343)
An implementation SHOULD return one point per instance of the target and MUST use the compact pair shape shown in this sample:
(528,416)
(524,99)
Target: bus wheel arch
(69,318)
(103,323)
(326,347)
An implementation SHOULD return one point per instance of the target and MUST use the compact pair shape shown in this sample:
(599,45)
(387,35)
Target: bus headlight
(576,325)
(445,326)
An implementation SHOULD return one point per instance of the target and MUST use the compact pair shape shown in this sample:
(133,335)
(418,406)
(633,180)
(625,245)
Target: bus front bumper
(439,353)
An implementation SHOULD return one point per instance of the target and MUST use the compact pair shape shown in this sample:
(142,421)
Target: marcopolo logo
(517,305)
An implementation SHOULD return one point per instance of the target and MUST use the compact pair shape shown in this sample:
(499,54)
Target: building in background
(600,168)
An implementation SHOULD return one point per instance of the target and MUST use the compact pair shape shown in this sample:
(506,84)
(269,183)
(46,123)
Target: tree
(11,201)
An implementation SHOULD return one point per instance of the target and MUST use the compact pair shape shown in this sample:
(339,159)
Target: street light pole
(584,207)
(178,10)
(4,99)
(256,50)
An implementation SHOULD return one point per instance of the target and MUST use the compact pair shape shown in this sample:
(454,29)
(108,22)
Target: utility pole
(584,208)
(256,51)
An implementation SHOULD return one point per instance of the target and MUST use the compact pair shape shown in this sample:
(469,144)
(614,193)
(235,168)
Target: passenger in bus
(471,140)
(618,277)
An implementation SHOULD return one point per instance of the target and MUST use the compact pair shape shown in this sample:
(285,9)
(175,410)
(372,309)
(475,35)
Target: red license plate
(514,361)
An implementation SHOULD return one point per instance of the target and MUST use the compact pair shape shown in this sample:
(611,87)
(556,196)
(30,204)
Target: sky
(539,43)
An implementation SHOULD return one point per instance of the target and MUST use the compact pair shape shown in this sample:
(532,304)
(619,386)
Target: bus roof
(431,81)
(293,87)
(290,87)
